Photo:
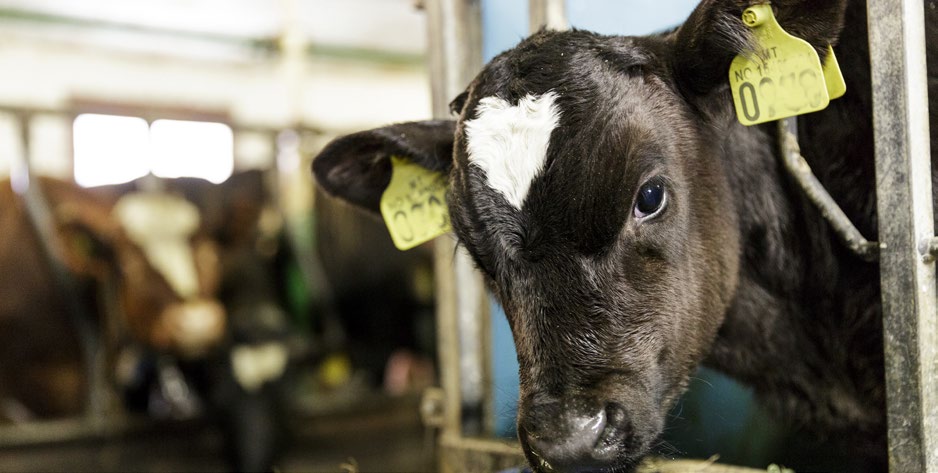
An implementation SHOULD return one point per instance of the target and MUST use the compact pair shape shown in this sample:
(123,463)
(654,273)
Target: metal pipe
(550,14)
(266,45)
(799,169)
(17,15)
(474,378)
(455,56)
(150,115)
(41,219)
(904,205)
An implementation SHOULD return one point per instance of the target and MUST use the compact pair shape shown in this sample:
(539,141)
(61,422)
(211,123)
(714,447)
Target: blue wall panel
(630,17)
(504,24)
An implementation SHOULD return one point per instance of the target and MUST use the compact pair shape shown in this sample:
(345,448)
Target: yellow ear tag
(836,85)
(414,204)
(781,78)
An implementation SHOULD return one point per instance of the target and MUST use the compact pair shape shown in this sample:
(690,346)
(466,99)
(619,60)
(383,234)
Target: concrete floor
(381,436)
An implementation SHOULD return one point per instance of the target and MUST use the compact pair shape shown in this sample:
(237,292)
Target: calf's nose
(563,439)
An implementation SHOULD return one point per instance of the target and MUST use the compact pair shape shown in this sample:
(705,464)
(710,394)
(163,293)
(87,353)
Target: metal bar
(78,429)
(904,205)
(40,217)
(472,303)
(477,455)
(550,14)
(39,432)
(38,18)
(257,45)
(799,169)
(455,49)
(447,331)
(487,358)
(474,373)
(455,57)
(447,337)
(155,113)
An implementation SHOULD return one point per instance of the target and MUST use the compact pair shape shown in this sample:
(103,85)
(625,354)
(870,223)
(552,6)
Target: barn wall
(332,93)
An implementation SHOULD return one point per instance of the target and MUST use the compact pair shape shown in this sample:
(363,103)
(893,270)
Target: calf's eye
(651,198)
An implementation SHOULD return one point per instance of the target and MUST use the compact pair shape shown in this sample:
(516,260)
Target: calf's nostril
(615,415)
(618,431)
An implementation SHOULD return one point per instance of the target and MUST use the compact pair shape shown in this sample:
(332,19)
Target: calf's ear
(714,34)
(357,167)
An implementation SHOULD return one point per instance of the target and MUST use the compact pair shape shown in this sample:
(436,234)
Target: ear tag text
(414,204)
(783,77)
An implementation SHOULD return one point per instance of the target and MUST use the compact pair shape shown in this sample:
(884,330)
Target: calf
(244,383)
(633,229)
(146,245)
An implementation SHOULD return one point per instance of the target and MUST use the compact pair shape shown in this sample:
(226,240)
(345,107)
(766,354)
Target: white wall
(333,94)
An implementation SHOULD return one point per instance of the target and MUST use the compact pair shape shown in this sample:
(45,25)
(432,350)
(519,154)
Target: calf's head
(587,181)
(165,273)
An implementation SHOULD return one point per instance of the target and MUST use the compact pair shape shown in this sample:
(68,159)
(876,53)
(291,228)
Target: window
(192,149)
(112,149)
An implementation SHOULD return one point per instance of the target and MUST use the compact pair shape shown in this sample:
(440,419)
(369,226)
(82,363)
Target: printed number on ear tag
(414,204)
(783,77)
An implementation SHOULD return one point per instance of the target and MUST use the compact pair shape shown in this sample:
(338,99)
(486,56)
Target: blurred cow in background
(244,383)
(185,267)
(241,384)
(163,271)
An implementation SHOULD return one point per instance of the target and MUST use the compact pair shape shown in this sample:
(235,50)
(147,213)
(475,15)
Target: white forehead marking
(510,142)
(161,224)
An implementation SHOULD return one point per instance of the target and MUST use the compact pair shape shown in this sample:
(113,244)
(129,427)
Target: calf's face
(597,208)
(588,184)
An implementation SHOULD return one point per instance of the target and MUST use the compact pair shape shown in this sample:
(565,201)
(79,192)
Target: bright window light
(192,149)
(110,149)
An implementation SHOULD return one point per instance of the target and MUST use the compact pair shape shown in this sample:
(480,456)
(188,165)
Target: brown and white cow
(148,246)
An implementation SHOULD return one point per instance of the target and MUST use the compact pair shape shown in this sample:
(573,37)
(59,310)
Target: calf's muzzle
(575,436)
(194,326)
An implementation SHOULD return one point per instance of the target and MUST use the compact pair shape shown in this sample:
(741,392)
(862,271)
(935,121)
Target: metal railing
(463,409)
(906,220)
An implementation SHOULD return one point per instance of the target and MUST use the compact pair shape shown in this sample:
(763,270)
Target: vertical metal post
(550,14)
(455,41)
(455,49)
(904,195)
(40,216)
